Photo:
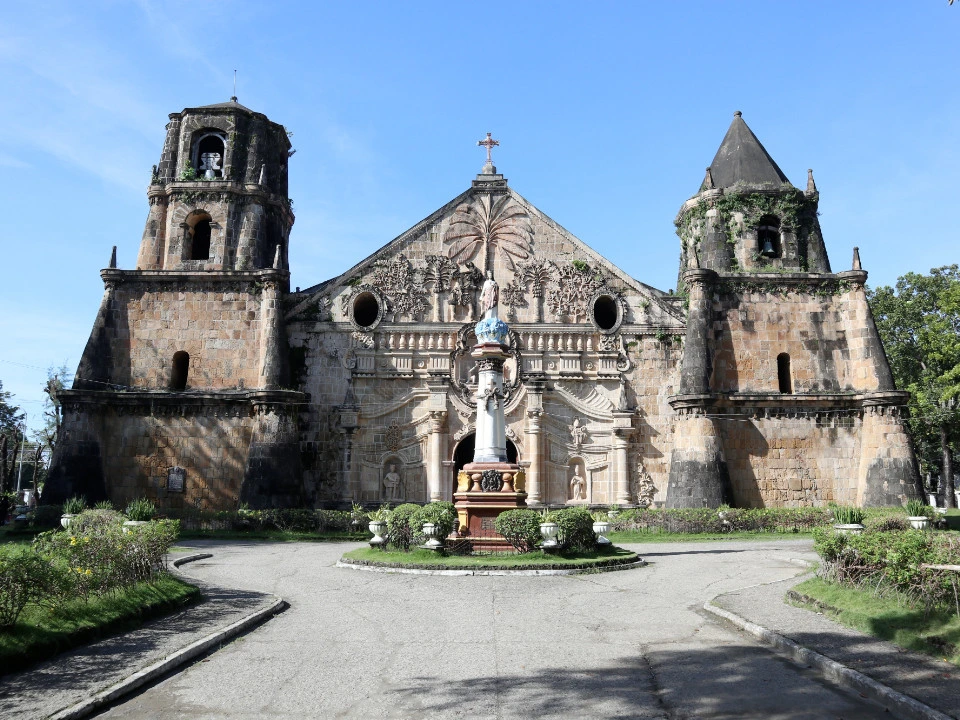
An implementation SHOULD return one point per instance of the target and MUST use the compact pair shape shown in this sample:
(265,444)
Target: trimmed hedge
(576,529)
(711,520)
(521,528)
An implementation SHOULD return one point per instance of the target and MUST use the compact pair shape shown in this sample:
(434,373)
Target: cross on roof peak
(489,143)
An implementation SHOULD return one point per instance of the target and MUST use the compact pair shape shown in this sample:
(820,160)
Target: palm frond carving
(489,224)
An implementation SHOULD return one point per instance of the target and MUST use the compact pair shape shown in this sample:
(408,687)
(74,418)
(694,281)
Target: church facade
(206,382)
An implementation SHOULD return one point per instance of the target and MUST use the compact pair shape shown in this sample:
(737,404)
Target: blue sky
(607,113)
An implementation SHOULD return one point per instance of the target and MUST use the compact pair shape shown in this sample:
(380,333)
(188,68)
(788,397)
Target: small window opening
(366,309)
(199,232)
(783,373)
(605,312)
(768,237)
(208,156)
(181,366)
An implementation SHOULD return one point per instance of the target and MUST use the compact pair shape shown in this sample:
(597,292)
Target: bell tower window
(178,374)
(768,237)
(198,233)
(209,152)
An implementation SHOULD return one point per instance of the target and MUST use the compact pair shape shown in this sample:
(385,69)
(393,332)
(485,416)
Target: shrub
(289,520)
(75,505)
(892,560)
(401,532)
(916,508)
(441,514)
(521,528)
(91,522)
(103,505)
(891,523)
(23,579)
(141,509)
(575,529)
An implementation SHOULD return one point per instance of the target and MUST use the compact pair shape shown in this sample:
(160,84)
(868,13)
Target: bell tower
(747,217)
(218,198)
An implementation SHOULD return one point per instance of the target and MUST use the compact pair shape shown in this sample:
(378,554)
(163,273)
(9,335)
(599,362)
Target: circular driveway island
(610,645)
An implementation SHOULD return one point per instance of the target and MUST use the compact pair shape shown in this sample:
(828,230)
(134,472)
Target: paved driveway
(630,644)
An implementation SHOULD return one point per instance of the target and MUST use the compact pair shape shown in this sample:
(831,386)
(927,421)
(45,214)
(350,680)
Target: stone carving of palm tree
(496,224)
(538,273)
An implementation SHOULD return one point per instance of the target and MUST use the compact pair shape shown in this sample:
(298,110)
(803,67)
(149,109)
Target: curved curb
(492,572)
(904,705)
(172,661)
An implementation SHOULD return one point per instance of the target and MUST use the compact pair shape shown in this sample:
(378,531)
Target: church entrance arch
(463,454)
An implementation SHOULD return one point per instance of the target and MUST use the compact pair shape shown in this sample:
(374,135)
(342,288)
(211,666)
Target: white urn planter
(430,531)
(65,520)
(919,522)
(379,529)
(548,531)
(849,529)
(131,525)
(601,528)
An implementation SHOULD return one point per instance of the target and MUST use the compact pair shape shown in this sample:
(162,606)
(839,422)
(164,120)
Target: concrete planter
(65,520)
(379,529)
(430,531)
(851,529)
(919,522)
(601,528)
(131,525)
(548,531)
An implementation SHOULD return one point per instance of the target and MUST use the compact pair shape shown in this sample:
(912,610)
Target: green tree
(919,323)
(11,420)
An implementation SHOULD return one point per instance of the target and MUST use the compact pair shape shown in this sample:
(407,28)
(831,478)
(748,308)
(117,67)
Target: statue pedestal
(484,490)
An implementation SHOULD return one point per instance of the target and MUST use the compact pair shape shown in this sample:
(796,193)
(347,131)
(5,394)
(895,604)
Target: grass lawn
(42,633)
(428,559)
(888,618)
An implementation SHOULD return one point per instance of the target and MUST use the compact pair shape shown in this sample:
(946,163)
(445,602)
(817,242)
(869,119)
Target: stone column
(491,445)
(623,429)
(534,442)
(272,336)
(96,364)
(435,454)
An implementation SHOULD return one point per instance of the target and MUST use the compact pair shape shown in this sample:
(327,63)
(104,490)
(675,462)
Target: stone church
(207,383)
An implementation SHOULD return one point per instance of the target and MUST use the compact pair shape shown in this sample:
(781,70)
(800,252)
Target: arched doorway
(463,454)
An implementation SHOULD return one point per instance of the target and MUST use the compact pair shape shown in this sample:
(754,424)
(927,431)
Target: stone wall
(216,323)
(782,461)
(752,327)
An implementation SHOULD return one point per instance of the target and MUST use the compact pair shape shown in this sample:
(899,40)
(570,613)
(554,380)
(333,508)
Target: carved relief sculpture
(645,488)
(490,223)
(578,432)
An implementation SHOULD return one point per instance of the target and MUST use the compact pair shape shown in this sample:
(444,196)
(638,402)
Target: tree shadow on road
(733,681)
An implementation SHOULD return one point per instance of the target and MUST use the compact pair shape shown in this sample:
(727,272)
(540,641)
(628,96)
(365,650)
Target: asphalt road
(630,644)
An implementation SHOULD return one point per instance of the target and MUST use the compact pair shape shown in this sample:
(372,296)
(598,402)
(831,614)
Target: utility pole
(23,449)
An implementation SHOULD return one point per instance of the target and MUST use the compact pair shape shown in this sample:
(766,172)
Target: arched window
(178,375)
(463,454)
(197,242)
(783,373)
(209,153)
(768,237)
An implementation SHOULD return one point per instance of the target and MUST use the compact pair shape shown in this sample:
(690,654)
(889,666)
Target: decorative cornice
(773,401)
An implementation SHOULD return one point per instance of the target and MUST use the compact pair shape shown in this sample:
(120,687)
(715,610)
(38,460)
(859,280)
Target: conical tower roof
(743,160)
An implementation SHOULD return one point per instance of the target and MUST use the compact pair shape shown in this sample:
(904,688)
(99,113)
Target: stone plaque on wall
(175,479)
